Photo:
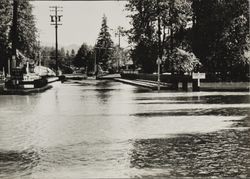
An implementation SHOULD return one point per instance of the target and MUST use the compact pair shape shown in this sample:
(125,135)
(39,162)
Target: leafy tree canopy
(184,61)
(82,56)
(221,33)
(155,23)
(26,30)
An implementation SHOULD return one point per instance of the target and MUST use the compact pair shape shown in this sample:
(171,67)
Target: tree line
(104,54)
(210,36)
(188,35)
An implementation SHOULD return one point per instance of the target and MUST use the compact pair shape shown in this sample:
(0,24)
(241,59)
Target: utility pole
(54,21)
(95,61)
(119,30)
(159,59)
(119,33)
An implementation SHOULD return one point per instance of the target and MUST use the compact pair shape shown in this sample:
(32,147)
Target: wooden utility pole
(159,61)
(119,33)
(54,21)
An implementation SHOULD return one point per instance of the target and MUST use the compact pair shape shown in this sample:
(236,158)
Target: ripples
(217,154)
(108,129)
(197,112)
(16,163)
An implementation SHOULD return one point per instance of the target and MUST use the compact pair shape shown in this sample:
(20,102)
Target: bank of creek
(91,129)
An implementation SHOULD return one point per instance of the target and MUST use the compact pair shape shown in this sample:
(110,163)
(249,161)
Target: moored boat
(28,78)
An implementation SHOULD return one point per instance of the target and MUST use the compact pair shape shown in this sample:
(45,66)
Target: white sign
(28,86)
(199,75)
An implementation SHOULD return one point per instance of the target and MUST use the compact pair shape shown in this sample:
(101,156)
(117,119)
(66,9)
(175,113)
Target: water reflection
(108,129)
(104,88)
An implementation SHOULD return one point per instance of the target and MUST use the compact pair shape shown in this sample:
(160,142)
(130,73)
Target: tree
(26,30)
(62,51)
(72,53)
(68,60)
(221,30)
(142,35)
(183,61)
(47,56)
(119,58)
(48,59)
(104,46)
(158,26)
(91,60)
(5,22)
(81,58)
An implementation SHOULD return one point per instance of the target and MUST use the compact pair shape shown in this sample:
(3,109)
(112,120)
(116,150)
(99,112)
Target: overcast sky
(81,21)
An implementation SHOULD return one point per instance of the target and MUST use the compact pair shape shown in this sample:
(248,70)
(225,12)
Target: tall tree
(26,29)
(5,23)
(156,25)
(221,33)
(104,45)
(72,53)
(143,34)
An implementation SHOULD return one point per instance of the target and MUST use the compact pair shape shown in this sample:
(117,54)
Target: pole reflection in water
(91,128)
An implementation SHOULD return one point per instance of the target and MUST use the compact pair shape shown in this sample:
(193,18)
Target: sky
(81,21)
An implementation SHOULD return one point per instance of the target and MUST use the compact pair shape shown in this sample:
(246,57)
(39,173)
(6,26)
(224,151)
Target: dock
(205,86)
(6,91)
(75,76)
(153,85)
(109,77)
(53,79)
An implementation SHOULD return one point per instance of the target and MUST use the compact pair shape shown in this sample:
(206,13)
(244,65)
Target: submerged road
(91,128)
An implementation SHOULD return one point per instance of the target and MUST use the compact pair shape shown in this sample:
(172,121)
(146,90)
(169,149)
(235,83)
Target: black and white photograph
(124,89)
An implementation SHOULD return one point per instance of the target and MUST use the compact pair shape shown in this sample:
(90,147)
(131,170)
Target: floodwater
(93,129)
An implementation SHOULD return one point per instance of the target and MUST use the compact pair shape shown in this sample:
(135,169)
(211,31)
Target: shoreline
(205,86)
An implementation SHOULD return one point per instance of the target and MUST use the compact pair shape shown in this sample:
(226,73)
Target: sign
(199,75)
(27,86)
(158,61)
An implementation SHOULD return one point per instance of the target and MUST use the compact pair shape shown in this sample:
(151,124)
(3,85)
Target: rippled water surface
(91,129)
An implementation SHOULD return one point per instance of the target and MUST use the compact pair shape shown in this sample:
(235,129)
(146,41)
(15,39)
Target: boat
(28,78)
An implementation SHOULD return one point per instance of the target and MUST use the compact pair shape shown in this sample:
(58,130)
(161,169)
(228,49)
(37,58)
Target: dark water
(108,129)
